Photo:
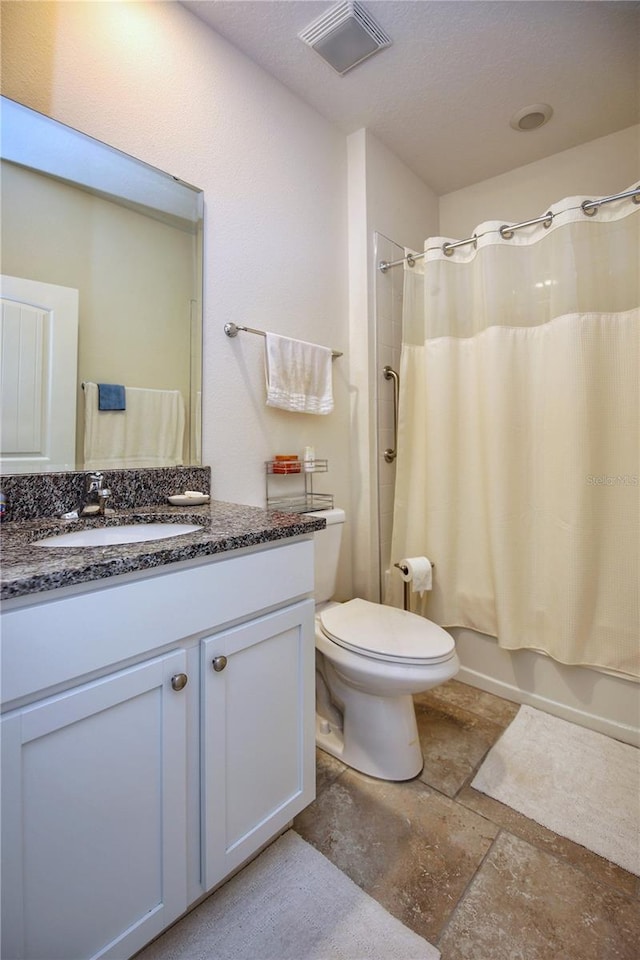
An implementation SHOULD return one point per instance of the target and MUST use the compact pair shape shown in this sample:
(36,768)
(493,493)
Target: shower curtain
(518,449)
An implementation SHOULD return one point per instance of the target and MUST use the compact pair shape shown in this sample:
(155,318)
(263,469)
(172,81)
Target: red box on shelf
(286,465)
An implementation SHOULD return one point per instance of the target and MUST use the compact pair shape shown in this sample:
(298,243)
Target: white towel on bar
(298,375)
(149,433)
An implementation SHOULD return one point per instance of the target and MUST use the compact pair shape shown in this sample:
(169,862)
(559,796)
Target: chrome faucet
(94,499)
(95,494)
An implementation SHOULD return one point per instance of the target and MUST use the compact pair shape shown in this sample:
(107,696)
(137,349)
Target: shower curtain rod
(588,207)
(232,330)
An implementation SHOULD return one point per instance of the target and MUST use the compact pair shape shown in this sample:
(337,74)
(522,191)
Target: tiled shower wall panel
(388,339)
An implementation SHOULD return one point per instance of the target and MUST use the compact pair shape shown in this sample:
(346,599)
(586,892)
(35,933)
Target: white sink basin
(126,533)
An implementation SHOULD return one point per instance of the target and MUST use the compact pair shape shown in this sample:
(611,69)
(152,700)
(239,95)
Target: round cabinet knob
(179,681)
(219,663)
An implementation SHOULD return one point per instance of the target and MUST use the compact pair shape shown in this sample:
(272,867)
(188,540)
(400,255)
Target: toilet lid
(386,633)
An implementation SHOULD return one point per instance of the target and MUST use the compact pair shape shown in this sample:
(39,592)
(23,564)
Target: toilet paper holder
(406,585)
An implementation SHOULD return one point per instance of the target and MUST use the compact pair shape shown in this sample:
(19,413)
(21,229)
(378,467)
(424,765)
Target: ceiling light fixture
(531,117)
(345,35)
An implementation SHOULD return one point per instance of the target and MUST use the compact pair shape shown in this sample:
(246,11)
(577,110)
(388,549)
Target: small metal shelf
(296,467)
(281,476)
(301,504)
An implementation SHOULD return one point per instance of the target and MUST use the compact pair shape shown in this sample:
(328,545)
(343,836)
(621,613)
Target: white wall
(599,168)
(384,197)
(152,80)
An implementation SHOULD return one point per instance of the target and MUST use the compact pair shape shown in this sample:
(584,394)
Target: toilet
(370,660)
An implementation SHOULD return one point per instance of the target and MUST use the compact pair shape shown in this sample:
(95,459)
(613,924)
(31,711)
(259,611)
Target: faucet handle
(95,482)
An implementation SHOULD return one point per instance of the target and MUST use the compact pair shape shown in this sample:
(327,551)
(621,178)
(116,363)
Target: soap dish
(180,500)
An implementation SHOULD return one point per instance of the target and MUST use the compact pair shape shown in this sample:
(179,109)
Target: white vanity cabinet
(126,794)
(94,815)
(258,771)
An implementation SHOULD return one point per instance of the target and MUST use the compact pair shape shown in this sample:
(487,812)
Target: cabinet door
(93,816)
(258,734)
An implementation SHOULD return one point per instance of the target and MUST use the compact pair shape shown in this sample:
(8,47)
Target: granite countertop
(29,569)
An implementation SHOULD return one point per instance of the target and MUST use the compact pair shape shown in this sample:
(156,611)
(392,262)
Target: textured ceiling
(441,96)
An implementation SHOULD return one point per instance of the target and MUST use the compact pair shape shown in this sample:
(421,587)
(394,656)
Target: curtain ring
(587,209)
(448,248)
(411,260)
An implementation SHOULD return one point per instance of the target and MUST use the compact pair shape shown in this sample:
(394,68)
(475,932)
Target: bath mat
(291,903)
(581,784)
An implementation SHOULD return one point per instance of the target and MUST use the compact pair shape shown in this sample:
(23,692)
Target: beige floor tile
(527,904)
(454,742)
(483,704)
(431,860)
(411,849)
(328,769)
(596,867)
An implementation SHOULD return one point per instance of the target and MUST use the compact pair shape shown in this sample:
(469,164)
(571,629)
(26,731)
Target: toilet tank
(326,545)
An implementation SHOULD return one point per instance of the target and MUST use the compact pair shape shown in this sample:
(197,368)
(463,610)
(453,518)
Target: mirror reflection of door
(128,238)
(38,335)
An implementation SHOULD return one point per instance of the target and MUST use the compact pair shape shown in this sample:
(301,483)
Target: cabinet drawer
(56,641)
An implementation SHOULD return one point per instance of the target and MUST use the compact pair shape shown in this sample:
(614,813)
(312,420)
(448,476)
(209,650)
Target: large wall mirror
(101,290)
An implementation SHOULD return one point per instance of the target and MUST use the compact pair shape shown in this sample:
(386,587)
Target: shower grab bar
(390,374)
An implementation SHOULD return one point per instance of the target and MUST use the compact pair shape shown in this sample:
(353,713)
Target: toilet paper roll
(419,573)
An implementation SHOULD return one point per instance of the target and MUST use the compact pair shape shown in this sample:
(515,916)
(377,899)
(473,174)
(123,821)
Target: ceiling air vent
(345,35)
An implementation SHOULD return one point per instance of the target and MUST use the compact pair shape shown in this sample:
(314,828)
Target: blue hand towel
(111,396)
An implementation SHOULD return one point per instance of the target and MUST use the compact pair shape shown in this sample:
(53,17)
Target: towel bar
(233,329)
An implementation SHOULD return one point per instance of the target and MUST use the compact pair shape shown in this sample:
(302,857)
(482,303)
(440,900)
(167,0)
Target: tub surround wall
(388,322)
(385,197)
(590,698)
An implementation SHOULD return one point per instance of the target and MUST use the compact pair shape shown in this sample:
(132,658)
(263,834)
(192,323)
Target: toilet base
(380,736)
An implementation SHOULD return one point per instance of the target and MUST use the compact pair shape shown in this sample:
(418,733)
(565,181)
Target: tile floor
(472,876)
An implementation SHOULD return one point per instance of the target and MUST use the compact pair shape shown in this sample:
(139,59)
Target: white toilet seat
(386,633)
